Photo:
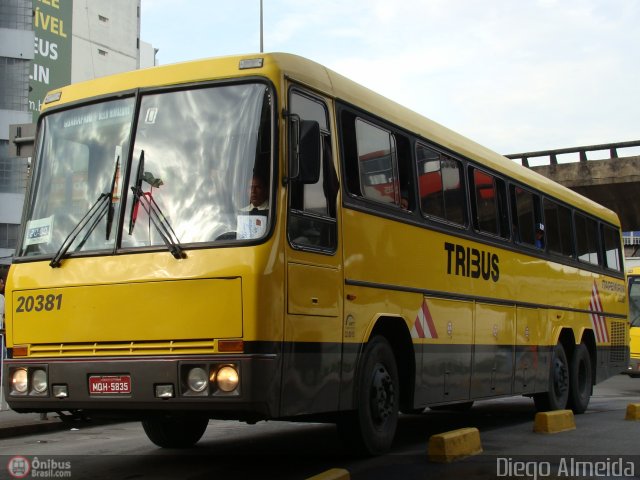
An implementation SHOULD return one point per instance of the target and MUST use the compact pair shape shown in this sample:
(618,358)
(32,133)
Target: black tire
(557,396)
(175,431)
(580,379)
(371,428)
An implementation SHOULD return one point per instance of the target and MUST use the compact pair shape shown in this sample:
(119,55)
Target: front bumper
(255,396)
(634,367)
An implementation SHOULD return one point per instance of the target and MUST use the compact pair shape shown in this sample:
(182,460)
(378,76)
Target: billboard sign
(51,65)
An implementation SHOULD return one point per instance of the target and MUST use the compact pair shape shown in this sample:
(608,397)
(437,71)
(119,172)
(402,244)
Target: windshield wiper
(137,185)
(156,216)
(109,210)
(102,206)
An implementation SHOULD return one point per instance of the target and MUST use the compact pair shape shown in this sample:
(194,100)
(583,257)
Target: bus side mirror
(304,158)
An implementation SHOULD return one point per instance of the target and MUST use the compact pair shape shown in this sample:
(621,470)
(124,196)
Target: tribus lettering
(471,262)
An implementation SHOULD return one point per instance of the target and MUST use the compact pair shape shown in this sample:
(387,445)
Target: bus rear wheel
(580,379)
(371,428)
(175,431)
(557,396)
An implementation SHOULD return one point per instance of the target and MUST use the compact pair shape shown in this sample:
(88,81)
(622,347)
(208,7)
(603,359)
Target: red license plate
(109,384)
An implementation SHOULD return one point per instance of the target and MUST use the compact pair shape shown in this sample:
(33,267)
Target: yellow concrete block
(554,422)
(332,474)
(633,411)
(449,446)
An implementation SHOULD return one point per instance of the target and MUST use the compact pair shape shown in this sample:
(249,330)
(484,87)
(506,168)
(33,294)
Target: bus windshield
(199,168)
(634,301)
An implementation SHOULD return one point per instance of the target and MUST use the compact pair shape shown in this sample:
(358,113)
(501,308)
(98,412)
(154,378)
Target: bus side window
(441,186)
(612,254)
(557,222)
(489,203)
(586,239)
(528,227)
(377,163)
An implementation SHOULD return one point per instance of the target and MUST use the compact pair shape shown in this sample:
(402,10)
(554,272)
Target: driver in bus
(258,196)
(252,221)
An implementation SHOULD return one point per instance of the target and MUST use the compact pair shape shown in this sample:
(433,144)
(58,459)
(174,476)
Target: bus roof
(277,66)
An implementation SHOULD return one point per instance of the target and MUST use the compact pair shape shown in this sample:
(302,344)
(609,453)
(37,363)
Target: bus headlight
(227,379)
(197,379)
(39,381)
(19,380)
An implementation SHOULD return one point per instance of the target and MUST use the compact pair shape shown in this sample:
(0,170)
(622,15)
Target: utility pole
(261,42)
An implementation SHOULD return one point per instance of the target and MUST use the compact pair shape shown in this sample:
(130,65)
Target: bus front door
(313,321)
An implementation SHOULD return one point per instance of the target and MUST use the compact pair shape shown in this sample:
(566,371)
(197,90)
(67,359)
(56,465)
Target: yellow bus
(258,237)
(634,319)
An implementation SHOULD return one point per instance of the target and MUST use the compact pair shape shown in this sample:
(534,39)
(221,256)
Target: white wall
(11,117)
(88,61)
(11,207)
(147,55)
(105,38)
(16,43)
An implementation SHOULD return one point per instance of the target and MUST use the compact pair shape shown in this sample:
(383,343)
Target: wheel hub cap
(560,377)
(382,394)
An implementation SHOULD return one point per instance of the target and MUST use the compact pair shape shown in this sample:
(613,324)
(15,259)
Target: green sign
(51,66)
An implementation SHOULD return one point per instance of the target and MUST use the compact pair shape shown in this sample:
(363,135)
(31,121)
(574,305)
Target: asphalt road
(283,450)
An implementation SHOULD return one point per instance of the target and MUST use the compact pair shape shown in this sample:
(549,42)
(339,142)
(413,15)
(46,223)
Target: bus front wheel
(580,376)
(557,396)
(371,428)
(175,431)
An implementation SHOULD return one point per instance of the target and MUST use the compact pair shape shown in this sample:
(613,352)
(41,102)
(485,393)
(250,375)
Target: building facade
(45,44)
(16,56)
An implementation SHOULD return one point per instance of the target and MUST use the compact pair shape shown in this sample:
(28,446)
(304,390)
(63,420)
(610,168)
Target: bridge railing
(552,155)
(631,238)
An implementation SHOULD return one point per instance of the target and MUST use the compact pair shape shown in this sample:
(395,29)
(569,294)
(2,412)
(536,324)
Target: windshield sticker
(39,231)
(150,116)
(251,226)
(90,117)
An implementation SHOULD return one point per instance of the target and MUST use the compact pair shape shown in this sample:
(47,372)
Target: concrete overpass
(613,181)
